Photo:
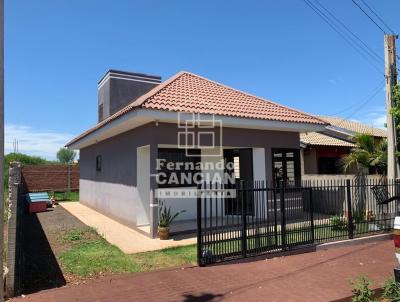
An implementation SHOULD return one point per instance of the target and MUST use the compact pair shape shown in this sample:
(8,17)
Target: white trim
(340,130)
(127,79)
(125,75)
(139,117)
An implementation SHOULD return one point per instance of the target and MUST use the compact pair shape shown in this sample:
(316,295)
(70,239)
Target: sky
(57,50)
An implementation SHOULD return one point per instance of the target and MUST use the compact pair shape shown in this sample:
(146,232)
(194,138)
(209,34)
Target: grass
(87,254)
(294,236)
(65,196)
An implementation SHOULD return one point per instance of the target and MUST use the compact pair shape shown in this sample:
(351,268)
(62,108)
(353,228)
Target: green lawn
(87,254)
(84,253)
(65,196)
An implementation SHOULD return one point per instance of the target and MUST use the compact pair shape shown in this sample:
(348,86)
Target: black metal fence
(250,219)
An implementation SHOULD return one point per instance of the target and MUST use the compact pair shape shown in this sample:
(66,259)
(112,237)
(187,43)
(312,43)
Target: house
(321,152)
(156,139)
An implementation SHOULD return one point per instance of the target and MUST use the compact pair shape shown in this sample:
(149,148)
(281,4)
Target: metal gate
(251,219)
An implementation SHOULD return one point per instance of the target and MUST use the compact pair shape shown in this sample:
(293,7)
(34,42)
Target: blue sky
(57,50)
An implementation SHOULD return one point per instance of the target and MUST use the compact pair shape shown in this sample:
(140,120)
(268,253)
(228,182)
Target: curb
(356,241)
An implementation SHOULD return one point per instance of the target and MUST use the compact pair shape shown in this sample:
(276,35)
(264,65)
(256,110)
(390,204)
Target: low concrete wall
(114,200)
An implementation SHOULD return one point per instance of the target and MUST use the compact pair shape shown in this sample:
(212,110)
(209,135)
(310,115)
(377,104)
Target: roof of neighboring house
(190,93)
(319,139)
(353,126)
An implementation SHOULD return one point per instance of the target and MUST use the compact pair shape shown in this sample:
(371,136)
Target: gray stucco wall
(113,190)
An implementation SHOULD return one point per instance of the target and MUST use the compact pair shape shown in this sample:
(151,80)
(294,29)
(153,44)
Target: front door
(286,167)
(241,168)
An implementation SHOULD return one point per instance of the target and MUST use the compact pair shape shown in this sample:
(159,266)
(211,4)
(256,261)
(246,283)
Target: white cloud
(379,121)
(376,118)
(43,143)
(336,80)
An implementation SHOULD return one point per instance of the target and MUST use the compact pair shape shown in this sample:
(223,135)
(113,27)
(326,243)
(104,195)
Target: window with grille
(286,166)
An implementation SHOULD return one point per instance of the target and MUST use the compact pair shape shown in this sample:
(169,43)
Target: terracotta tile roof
(190,93)
(319,139)
(353,126)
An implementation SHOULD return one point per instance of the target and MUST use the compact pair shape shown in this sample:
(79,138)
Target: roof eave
(138,117)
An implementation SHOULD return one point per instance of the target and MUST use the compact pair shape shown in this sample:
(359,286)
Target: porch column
(153,187)
(259,166)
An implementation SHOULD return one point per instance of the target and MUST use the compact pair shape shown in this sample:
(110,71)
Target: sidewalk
(126,239)
(318,276)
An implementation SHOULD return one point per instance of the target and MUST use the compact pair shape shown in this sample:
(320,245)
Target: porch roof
(319,139)
(190,93)
(338,123)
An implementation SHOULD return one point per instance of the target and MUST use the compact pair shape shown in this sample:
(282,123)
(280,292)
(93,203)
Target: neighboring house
(321,152)
(138,124)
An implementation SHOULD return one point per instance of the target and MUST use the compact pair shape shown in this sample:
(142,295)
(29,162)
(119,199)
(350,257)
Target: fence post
(350,225)
(14,257)
(312,216)
(397,192)
(199,239)
(283,215)
(244,222)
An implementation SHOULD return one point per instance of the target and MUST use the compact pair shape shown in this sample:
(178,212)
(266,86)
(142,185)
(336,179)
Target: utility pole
(1,147)
(391,80)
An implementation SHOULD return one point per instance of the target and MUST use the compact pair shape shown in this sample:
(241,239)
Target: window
(100,112)
(236,166)
(179,175)
(98,163)
(286,166)
(328,165)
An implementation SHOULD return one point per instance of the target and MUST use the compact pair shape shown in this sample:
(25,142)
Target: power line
(369,17)
(368,99)
(372,53)
(361,102)
(376,15)
(349,40)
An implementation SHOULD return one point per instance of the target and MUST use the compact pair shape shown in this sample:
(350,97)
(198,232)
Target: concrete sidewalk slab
(126,239)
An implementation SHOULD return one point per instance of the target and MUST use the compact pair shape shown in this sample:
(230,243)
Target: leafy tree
(369,155)
(66,156)
(23,159)
(396,113)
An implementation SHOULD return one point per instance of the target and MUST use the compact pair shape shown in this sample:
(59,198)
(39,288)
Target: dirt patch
(43,243)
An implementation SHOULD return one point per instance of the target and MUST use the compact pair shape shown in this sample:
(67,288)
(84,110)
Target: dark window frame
(178,155)
(101,112)
(297,164)
(98,163)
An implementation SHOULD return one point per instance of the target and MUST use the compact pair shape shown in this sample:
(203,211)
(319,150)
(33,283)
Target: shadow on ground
(204,297)
(40,269)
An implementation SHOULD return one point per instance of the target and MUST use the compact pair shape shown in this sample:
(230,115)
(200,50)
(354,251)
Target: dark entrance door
(241,167)
(286,167)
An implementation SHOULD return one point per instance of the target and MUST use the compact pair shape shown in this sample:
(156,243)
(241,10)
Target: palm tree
(369,155)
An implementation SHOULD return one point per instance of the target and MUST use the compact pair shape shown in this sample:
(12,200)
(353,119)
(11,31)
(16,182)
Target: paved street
(317,276)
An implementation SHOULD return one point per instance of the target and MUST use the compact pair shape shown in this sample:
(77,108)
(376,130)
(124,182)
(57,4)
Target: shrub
(338,223)
(361,291)
(391,290)
(73,235)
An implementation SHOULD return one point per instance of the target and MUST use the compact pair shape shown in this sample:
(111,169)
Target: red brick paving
(317,276)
